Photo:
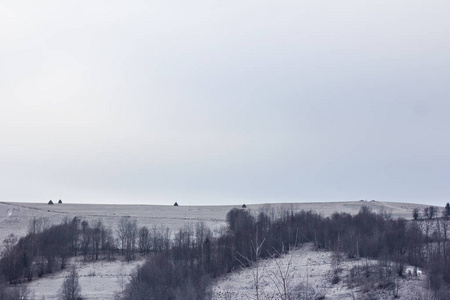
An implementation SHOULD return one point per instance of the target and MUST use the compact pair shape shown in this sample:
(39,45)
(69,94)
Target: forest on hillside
(181,264)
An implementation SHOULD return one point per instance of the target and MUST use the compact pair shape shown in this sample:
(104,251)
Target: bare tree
(36,225)
(11,266)
(71,289)
(428,224)
(160,238)
(74,234)
(86,237)
(426,212)
(130,240)
(109,244)
(281,278)
(97,233)
(127,232)
(121,233)
(257,274)
(430,212)
(202,232)
(144,240)
(445,223)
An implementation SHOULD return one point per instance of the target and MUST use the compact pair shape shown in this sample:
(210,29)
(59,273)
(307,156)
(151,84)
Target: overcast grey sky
(224,102)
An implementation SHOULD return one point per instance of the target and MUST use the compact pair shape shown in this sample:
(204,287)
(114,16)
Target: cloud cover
(213,102)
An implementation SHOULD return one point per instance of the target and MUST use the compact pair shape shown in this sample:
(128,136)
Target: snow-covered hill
(15,217)
(309,273)
(100,280)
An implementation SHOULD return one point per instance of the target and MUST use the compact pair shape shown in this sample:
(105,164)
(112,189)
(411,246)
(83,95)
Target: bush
(335,279)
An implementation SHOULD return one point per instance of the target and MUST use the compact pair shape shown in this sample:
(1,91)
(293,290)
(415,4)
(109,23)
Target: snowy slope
(100,280)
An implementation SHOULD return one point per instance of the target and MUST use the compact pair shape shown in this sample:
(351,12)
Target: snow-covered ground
(15,217)
(311,269)
(100,280)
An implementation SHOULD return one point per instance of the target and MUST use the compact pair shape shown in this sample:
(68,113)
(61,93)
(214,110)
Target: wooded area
(181,264)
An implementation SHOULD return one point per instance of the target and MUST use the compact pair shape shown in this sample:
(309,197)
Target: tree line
(46,249)
(183,262)
(186,269)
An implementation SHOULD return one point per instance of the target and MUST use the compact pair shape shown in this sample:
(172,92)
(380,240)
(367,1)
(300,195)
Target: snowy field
(313,271)
(99,280)
(102,279)
(15,217)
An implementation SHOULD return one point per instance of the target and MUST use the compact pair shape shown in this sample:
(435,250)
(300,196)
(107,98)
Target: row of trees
(250,237)
(430,212)
(183,262)
(46,249)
